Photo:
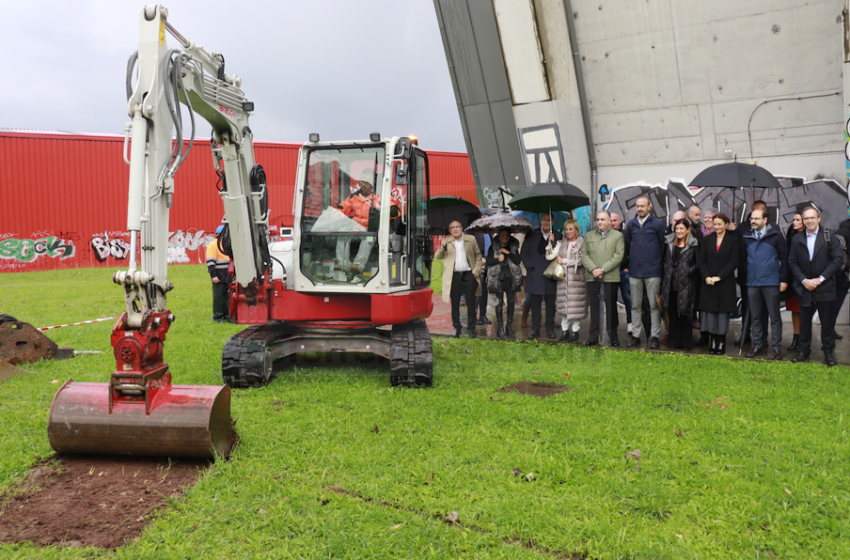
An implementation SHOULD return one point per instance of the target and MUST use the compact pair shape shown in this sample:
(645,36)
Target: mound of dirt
(95,501)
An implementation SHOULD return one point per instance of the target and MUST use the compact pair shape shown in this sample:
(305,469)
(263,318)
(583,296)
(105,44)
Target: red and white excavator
(356,279)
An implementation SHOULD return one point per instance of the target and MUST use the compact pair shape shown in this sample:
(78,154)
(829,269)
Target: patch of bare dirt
(541,390)
(93,501)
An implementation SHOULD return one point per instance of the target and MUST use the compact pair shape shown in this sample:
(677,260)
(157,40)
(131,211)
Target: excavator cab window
(342,209)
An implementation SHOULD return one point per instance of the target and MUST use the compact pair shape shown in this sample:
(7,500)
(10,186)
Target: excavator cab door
(410,252)
(422,249)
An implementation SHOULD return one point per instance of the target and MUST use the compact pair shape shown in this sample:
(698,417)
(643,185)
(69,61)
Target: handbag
(554,271)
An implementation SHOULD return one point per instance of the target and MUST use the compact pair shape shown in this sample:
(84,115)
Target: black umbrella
(499,221)
(443,210)
(735,174)
(545,197)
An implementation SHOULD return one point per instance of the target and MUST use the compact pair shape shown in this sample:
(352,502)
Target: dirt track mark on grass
(92,501)
(457,521)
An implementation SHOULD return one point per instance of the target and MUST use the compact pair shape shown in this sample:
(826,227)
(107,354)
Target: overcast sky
(343,68)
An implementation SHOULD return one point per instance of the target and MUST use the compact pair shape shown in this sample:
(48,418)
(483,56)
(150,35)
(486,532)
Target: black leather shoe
(574,336)
(564,336)
(457,333)
(829,359)
(480,322)
(635,341)
(838,337)
(755,352)
(654,344)
(534,335)
(472,334)
(591,342)
(509,332)
(615,342)
(777,354)
(484,320)
(801,357)
(550,333)
(704,340)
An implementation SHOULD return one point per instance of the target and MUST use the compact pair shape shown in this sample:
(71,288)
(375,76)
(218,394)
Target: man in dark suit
(813,264)
(540,288)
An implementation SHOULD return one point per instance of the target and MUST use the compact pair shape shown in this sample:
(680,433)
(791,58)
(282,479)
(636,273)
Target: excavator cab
(362,221)
(361,267)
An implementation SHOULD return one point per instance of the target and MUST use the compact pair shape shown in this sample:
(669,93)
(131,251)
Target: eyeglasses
(455,227)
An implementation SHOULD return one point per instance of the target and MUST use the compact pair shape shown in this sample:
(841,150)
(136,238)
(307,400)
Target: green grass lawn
(738,459)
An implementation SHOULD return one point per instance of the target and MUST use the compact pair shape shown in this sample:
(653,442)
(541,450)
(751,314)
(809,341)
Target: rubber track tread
(411,355)
(243,360)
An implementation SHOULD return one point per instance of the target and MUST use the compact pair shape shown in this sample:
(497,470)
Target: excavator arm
(139,412)
(192,76)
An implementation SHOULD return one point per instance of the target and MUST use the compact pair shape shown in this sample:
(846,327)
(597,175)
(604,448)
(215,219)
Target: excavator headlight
(314,137)
(248,106)
(375,137)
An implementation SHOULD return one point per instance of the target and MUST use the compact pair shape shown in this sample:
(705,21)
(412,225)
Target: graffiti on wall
(28,250)
(192,239)
(492,197)
(116,245)
(103,248)
(828,195)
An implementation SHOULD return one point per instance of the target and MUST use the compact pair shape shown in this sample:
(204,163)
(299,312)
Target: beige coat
(447,254)
(571,302)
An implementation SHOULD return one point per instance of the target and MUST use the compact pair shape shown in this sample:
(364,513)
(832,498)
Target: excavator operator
(363,207)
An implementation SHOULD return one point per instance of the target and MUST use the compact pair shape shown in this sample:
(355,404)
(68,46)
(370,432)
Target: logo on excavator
(226,111)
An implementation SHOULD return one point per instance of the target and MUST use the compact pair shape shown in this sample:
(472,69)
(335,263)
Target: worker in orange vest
(217,265)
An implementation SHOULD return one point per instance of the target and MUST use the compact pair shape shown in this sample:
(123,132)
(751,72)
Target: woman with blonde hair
(679,283)
(571,299)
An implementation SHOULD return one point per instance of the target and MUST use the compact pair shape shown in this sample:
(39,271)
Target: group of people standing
(683,275)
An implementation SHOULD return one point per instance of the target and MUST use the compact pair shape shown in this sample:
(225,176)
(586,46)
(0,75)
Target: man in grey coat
(601,255)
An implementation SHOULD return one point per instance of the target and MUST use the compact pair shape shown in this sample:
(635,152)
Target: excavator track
(411,355)
(246,361)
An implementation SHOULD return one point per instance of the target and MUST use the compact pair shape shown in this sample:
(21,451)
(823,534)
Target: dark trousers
(463,284)
(536,302)
(482,299)
(745,308)
(680,325)
(221,306)
(826,310)
(500,305)
(624,291)
(765,300)
(612,317)
(840,294)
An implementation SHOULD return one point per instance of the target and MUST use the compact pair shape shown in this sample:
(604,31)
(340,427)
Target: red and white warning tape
(80,323)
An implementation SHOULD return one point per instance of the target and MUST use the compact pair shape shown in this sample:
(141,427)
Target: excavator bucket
(139,412)
(188,421)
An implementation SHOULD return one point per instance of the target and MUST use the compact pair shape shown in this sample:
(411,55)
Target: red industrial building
(63,198)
